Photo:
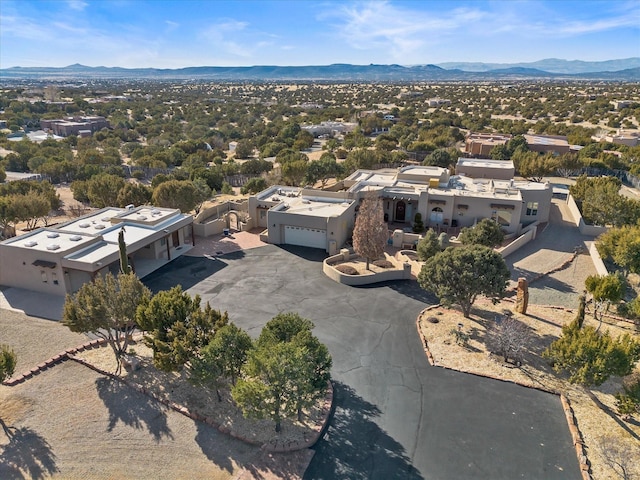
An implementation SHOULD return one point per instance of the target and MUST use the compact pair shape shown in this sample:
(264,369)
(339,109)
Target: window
(54,277)
(532,209)
(163,241)
(43,274)
(263,213)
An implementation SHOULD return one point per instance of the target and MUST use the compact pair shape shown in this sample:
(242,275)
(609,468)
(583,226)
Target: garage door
(306,237)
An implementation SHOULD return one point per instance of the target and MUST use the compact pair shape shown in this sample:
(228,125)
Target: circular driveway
(396,417)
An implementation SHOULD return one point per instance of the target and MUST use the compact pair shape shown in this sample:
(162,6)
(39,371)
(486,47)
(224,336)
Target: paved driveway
(395,417)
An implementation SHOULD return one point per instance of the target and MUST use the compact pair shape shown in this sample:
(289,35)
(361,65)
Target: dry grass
(594,421)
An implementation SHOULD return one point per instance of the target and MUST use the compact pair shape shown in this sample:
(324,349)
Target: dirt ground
(113,432)
(595,418)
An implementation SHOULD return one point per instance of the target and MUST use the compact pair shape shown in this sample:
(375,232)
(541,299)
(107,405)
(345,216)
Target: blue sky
(173,34)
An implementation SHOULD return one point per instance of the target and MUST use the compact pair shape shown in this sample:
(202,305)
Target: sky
(175,34)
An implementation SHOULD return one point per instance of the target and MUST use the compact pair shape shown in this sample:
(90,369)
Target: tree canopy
(176,328)
(590,357)
(106,308)
(486,232)
(286,371)
(459,274)
(622,246)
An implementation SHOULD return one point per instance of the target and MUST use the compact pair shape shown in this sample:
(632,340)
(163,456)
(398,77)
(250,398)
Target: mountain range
(549,69)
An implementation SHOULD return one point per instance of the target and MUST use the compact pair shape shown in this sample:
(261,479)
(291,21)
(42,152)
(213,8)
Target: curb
(55,360)
(576,435)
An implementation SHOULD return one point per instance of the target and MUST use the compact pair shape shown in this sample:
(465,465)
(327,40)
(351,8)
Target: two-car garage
(305,237)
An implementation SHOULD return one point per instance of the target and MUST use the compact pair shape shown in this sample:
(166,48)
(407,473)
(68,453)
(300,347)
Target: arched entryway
(401,210)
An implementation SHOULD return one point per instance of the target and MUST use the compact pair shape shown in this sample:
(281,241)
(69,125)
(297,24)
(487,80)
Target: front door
(175,238)
(400,211)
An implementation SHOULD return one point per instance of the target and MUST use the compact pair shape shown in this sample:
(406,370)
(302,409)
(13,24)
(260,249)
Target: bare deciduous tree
(618,457)
(508,338)
(370,232)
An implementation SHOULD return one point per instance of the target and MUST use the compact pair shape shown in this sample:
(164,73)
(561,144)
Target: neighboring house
(548,143)
(436,102)
(60,259)
(629,138)
(481,144)
(75,125)
(330,128)
(323,219)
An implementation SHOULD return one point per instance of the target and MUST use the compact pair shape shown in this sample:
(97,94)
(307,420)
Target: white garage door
(306,237)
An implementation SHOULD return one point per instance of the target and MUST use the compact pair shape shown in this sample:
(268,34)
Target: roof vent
(84,225)
(141,217)
(53,235)
(155,212)
(53,246)
(305,201)
(30,243)
(75,238)
(99,226)
(106,219)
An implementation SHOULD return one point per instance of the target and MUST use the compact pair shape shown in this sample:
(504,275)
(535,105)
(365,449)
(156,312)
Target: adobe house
(323,219)
(60,259)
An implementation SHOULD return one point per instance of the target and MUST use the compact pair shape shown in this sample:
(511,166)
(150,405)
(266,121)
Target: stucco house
(323,219)
(60,259)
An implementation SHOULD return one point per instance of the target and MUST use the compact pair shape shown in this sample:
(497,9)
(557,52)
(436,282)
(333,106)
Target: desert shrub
(433,320)
(347,269)
(628,400)
(383,264)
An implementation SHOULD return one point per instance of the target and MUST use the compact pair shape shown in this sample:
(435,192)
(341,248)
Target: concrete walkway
(551,248)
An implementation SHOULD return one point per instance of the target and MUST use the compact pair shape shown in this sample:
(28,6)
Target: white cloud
(77,5)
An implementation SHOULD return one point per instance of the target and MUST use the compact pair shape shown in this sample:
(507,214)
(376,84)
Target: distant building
(481,144)
(485,168)
(74,125)
(548,143)
(620,104)
(436,102)
(621,137)
(330,128)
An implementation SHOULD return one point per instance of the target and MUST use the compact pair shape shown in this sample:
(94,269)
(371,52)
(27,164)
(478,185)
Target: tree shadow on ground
(132,408)
(307,253)
(220,449)
(187,271)
(27,455)
(355,447)
(408,288)
(550,283)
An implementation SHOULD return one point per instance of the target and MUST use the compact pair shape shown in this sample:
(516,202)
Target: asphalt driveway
(396,417)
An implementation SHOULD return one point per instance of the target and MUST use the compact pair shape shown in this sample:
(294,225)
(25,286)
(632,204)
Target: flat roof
(93,223)
(485,162)
(92,254)
(50,240)
(147,215)
(314,206)
(544,140)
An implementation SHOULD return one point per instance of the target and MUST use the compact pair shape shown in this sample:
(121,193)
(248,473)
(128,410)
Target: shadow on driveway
(360,449)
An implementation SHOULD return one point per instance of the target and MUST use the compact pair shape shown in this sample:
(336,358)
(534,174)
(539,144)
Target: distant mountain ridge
(551,65)
(334,72)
